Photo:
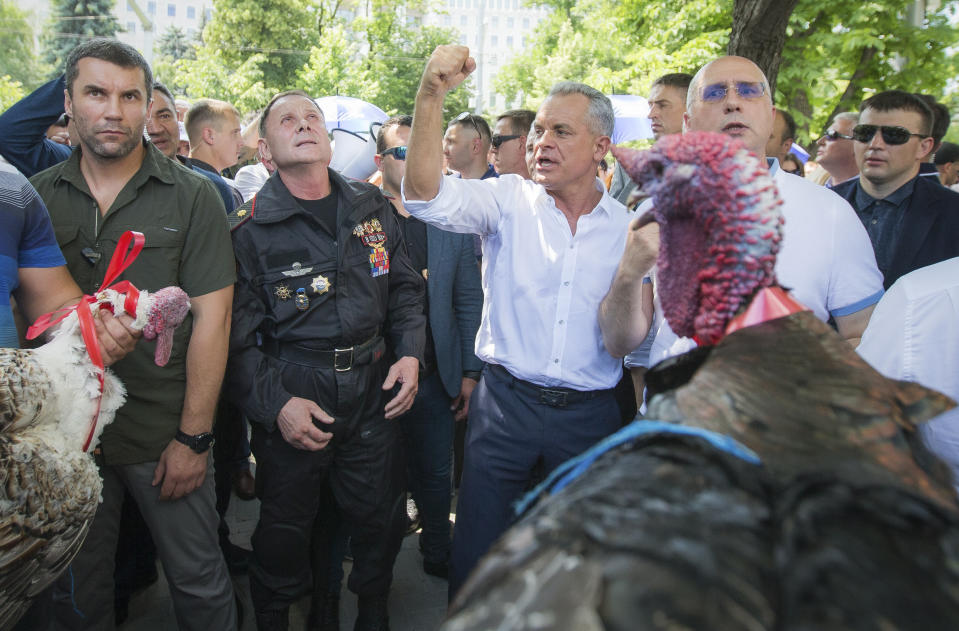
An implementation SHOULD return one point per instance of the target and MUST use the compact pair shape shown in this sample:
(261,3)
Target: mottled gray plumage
(839,528)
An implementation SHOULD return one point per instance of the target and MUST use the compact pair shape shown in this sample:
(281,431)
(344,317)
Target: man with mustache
(158,447)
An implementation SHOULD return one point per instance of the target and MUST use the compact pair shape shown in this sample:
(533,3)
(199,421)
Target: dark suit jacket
(455,304)
(930,227)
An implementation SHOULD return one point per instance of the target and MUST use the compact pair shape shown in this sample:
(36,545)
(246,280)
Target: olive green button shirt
(187,244)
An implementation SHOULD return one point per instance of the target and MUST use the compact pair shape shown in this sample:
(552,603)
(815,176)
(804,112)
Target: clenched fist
(448,67)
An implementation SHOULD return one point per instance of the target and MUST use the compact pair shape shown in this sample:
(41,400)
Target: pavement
(417,600)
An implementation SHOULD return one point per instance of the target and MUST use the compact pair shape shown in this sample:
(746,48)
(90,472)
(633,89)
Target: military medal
(320,284)
(372,235)
(302,301)
(282,292)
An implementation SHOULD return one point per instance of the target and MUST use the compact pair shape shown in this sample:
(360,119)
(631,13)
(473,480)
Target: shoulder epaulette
(241,214)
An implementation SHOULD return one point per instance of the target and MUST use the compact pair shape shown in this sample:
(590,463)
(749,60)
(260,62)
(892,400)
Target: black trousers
(365,467)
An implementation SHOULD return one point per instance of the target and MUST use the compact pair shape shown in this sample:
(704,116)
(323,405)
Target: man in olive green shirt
(157,448)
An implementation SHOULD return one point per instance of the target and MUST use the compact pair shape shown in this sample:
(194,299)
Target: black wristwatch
(199,443)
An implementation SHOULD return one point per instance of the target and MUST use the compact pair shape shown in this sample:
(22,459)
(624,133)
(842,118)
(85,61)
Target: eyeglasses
(891,134)
(397,152)
(746,89)
(467,117)
(832,136)
(499,139)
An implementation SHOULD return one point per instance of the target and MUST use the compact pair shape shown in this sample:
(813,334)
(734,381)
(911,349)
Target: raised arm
(626,313)
(23,127)
(447,68)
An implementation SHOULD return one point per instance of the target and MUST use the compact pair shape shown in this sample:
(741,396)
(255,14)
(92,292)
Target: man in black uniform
(322,272)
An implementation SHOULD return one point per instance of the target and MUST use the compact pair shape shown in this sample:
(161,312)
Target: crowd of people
(492,286)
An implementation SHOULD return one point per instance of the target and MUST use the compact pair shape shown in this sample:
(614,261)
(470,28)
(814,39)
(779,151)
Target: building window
(462,20)
(509,41)
(447,20)
(494,40)
(208,14)
(495,21)
(171,10)
(152,8)
(525,23)
(510,22)
(131,27)
(191,13)
(129,6)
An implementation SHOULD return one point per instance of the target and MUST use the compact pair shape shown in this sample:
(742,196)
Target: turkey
(779,484)
(49,487)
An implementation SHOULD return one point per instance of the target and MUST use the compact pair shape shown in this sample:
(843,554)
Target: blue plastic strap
(565,473)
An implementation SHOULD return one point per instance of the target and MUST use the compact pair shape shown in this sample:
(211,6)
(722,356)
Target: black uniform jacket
(297,284)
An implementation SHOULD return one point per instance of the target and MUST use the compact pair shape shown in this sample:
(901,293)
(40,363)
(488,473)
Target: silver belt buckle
(336,359)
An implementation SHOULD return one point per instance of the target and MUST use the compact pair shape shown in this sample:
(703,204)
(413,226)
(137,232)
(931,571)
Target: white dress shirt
(542,285)
(913,335)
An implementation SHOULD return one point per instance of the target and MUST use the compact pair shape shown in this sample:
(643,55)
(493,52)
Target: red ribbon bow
(120,260)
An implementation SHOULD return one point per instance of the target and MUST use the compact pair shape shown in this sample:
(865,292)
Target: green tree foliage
(11,91)
(280,31)
(378,58)
(72,22)
(176,44)
(18,60)
(249,53)
(835,54)
(211,76)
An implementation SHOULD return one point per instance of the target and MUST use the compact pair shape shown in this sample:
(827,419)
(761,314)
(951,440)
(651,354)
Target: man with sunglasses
(825,259)
(450,366)
(834,149)
(912,221)
(509,142)
(466,146)
(550,248)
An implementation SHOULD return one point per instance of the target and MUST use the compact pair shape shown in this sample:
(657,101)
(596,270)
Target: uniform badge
(282,292)
(320,284)
(301,300)
(241,213)
(296,270)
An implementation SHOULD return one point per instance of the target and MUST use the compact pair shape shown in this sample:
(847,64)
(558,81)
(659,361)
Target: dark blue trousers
(509,431)
(428,429)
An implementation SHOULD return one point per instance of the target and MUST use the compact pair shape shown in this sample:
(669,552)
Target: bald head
(731,96)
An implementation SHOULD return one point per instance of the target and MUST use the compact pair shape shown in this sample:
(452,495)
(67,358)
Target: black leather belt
(339,359)
(554,397)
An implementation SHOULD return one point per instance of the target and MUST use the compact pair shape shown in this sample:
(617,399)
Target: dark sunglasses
(746,89)
(499,139)
(891,134)
(467,117)
(832,136)
(397,152)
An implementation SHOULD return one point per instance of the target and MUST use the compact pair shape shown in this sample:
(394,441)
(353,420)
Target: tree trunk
(759,32)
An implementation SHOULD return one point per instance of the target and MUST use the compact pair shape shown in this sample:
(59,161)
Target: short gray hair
(853,117)
(599,117)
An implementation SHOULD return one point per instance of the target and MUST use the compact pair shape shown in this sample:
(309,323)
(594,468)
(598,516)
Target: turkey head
(167,311)
(720,227)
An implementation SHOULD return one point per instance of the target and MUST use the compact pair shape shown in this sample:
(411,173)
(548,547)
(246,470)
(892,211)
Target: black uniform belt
(340,359)
(555,397)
